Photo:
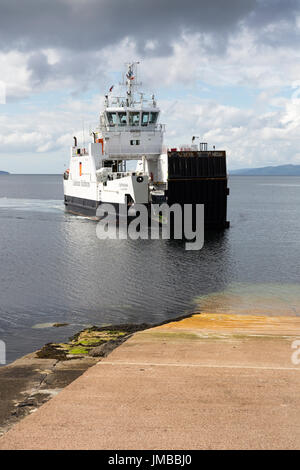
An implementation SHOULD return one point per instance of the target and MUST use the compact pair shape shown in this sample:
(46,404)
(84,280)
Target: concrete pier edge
(202,382)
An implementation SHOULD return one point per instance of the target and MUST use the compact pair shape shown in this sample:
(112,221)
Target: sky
(226,71)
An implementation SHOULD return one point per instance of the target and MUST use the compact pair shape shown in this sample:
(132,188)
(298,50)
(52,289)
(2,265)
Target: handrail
(126,128)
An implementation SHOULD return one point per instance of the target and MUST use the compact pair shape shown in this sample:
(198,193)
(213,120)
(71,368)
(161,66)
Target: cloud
(250,137)
(93,24)
(42,130)
(73,44)
(189,50)
(80,33)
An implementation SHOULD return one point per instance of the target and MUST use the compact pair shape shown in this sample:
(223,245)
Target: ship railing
(120,102)
(126,128)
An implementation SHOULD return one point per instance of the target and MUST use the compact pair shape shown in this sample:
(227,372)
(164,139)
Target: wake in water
(37,205)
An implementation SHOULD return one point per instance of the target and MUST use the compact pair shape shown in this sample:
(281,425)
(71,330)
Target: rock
(106,348)
(51,351)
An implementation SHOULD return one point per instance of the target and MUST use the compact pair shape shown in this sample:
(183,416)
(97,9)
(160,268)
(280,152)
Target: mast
(131,82)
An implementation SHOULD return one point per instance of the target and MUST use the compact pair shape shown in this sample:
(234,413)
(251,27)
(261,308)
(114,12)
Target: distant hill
(281,170)
(4,173)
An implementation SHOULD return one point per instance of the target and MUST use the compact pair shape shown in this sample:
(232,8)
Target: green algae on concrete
(170,335)
(82,343)
(78,350)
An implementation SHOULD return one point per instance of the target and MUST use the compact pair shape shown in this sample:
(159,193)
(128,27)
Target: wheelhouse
(131,118)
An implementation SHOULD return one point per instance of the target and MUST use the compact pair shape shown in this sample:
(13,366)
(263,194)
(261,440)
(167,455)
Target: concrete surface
(29,382)
(206,382)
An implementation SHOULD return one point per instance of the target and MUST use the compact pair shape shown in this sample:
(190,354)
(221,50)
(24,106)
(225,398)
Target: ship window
(153,118)
(145,119)
(134,119)
(112,119)
(122,119)
(134,142)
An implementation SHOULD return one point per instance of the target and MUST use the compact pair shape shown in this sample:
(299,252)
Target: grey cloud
(80,65)
(39,67)
(92,24)
(273,11)
(80,28)
(282,15)
(89,25)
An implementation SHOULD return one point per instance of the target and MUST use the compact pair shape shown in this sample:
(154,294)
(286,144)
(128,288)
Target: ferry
(129,131)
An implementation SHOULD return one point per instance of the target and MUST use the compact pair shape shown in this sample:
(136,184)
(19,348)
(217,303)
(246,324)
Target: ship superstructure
(129,130)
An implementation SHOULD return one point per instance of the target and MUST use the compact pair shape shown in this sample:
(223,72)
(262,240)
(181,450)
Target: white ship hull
(84,197)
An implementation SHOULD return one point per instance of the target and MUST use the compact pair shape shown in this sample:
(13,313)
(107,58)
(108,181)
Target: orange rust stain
(268,300)
(237,324)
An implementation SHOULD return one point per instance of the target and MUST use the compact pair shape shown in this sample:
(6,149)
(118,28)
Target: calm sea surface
(54,269)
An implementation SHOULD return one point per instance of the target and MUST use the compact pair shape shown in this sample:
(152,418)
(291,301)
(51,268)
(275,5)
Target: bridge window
(153,118)
(134,119)
(122,119)
(145,119)
(112,118)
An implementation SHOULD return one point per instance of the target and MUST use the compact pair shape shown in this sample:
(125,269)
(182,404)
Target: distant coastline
(281,170)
